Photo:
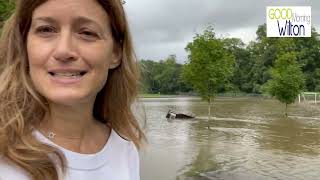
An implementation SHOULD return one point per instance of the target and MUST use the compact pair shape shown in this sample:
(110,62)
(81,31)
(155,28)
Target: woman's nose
(65,48)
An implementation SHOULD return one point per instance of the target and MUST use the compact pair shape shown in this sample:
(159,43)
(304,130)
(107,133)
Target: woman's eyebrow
(79,20)
(46,19)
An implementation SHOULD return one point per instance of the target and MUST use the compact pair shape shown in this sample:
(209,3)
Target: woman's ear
(116,57)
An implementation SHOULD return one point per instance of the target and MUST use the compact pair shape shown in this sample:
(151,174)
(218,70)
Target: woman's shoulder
(121,142)
(124,148)
(129,154)
(9,171)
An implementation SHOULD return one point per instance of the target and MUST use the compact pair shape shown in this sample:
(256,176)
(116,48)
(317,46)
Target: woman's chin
(68,100)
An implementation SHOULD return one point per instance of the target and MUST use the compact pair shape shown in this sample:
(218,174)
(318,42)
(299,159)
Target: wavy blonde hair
(22,108)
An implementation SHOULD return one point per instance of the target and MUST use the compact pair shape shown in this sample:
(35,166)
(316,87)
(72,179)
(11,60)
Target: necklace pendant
(51,135)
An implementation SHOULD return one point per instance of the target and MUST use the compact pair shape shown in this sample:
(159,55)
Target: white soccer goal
(309,97)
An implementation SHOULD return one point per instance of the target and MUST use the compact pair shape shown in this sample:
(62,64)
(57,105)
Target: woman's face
(70,50)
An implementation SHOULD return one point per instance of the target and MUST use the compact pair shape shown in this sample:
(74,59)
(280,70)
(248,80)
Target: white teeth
(67,74)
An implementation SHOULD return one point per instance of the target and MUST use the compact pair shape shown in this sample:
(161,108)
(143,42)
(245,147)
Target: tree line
(250,69)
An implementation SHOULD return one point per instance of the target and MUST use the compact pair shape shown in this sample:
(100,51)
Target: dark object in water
(173,115)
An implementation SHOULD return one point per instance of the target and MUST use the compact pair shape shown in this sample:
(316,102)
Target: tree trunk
(209,113)
(286,111)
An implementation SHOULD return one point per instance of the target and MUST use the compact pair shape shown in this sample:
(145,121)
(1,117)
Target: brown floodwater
(249,138)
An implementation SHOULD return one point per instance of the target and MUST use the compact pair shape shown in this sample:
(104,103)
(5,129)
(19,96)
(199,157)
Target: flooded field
(249,138)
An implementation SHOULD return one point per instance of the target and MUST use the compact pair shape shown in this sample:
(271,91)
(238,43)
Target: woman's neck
(74,128)
(69,120)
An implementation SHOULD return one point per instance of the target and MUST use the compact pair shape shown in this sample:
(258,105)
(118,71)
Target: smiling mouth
(68,74)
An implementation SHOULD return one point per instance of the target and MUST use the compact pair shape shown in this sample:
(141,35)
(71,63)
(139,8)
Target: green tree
(209,66)
(146,67)
(287,79)
(264,51)
(263,54)
(6,7)
(163,76)
(243,63)
(168,76)
(309,58)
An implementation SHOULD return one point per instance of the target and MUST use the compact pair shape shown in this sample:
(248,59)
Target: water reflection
(290,136)
(248,139)
(205,160)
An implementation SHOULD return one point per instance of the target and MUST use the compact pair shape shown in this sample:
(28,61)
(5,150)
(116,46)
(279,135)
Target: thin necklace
(51,135)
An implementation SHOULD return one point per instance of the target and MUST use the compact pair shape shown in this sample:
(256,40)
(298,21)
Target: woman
(68,78)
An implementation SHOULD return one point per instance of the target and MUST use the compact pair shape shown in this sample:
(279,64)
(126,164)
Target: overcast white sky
(164,27)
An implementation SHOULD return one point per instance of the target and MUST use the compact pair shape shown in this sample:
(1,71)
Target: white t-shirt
(118,160)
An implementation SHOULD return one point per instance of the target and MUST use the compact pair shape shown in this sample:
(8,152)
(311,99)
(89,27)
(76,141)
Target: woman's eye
(45,29)
(89,34)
